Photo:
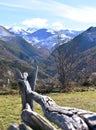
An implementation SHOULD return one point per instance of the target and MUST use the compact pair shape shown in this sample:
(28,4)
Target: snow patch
(51,31)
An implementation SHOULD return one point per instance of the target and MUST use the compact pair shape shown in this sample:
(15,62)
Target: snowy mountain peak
(4,32)
(44,37)
(70,33)
(17,30)
(51,31)
(91,29)
(31,30)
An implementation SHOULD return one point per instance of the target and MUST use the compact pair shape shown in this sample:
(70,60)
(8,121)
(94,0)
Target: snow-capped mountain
(42,34)
(51,42)
(70,33)
(31,30)
(18,31)
(44,38)
(5,35)
(4,32)
(39,37)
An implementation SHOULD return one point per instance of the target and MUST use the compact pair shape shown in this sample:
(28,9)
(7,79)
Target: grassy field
(10,105)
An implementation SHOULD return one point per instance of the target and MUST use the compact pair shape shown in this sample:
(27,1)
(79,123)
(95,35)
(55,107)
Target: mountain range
(21,49)
(44,38)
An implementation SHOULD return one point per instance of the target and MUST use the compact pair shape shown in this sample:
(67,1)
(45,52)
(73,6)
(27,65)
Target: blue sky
(57,14)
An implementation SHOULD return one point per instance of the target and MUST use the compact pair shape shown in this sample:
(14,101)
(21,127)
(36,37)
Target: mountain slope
(17,53)
(17,45)
(80,53)
(4,32)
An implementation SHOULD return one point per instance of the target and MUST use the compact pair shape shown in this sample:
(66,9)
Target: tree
(65,62)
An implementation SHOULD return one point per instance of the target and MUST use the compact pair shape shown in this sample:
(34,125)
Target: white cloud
(56,9)
(14,5)
(57,25)
(80,14)
(43,23)
(36,22)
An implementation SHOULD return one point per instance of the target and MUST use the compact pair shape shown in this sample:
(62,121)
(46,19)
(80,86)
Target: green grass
(10,105)
(82,100)
(10,109)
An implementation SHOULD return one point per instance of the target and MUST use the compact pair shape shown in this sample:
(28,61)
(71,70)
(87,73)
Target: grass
(83,100)
(10,105)
(10,109)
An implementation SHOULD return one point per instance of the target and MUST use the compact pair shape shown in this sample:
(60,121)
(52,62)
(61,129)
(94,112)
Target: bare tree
(65,62)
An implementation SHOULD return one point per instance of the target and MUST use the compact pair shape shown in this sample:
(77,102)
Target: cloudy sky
(57,14)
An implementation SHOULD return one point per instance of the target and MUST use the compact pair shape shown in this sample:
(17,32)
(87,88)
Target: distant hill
(17,46)
(17,53)
(80,52)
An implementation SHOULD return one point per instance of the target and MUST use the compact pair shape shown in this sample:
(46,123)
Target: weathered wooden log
(32,80)
(29,117)
(20,127)
(13,127)
(24,127)
(34,120)
(65,117)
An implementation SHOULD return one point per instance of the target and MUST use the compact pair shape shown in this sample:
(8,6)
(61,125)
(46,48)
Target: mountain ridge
(80,52)
(46,38)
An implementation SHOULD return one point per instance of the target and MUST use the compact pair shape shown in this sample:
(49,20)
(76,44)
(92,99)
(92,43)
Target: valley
(77,48)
